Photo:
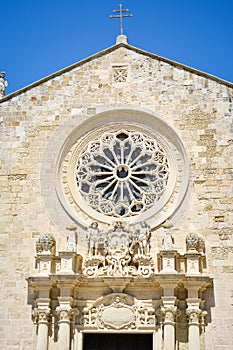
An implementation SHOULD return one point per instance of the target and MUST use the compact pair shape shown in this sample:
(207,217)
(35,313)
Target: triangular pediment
(127,47)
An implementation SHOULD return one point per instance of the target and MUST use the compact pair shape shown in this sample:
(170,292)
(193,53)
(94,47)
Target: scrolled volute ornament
(169,313)
(46,244)
(193,315)
(65,314)
(41,315)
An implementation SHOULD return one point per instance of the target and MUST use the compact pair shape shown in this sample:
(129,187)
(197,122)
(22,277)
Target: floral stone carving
(194,243)
(46,244)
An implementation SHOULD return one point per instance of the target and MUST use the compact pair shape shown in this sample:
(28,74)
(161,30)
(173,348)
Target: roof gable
(119,44)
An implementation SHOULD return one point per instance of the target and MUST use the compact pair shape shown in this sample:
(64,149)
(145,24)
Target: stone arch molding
(80,135)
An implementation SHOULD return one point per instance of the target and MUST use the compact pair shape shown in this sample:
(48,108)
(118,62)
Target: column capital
(65,314)
(169,314)
(193,315)
(42,315)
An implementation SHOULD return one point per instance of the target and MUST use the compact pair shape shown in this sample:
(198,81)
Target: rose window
(122,173)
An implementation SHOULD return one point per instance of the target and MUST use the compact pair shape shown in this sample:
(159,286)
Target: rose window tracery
(122,173)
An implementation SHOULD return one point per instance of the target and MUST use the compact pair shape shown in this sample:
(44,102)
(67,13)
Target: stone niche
(116,288)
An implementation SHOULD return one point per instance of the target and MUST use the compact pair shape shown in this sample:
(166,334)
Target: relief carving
(193,315)
(194,243)
(41,315)
(169,313)
(120,74)
(66,313)
(118,314)
(46,244)
(119,252)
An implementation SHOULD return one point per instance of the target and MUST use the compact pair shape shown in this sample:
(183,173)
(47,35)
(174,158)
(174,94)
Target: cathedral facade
(117,207)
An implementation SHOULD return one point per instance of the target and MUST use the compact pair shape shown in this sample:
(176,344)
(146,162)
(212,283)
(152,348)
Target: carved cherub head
(118,224)
(94,224)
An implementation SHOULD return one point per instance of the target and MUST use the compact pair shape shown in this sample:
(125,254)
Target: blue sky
(42,36)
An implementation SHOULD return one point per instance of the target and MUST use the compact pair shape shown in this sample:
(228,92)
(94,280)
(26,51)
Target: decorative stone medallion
(118,316)
(120,312)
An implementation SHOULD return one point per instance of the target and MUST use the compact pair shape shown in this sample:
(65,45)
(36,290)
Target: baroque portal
(119,286)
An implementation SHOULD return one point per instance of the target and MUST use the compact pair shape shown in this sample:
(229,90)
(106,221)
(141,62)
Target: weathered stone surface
(37,121)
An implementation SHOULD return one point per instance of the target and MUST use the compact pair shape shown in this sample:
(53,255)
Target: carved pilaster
(196,318)
(169,314)
(42,317)
(65,316)
(203,315)
(194,329)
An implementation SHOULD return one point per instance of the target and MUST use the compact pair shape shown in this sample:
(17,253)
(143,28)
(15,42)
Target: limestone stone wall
(34,123)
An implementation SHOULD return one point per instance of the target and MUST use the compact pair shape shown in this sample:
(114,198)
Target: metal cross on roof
(121,15)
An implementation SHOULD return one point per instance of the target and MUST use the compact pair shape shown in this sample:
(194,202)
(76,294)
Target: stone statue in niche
(167,240)
(142,239)
(93,238)
(71,239)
